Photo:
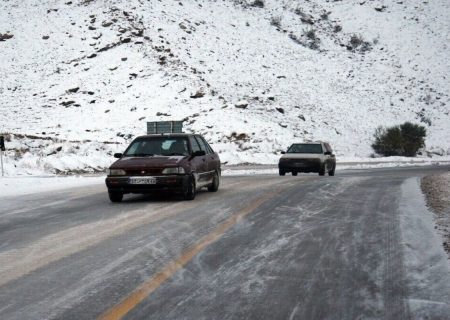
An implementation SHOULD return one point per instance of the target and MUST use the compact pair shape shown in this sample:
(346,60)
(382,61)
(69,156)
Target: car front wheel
(282,173)
(115,196)
(322,171)
(189,190)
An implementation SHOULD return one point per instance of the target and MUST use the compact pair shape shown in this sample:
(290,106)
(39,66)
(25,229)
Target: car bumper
(300,165)
(172,184)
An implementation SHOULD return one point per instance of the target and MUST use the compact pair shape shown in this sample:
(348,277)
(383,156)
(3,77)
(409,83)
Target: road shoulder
(428,271)
(437,191)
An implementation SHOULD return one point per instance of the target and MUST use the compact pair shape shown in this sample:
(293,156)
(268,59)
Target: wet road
(263,247)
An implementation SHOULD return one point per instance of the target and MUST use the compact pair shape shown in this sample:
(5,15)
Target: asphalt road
(262,247)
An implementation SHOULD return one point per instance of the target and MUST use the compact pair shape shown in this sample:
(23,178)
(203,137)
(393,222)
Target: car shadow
(158,197)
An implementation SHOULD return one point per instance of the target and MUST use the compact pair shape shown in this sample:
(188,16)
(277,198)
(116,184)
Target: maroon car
(175,163)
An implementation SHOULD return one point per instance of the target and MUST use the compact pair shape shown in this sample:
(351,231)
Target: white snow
(163,53)
(17,186)
(427,268)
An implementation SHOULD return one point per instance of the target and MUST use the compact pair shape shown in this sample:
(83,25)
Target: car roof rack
(162,127)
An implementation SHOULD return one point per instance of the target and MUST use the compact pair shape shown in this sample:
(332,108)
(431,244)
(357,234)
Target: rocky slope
(81,78)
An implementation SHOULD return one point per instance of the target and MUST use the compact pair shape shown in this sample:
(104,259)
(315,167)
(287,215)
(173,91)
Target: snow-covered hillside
(80,78)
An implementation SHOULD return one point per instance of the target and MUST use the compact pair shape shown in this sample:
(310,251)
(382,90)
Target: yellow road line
(148,287)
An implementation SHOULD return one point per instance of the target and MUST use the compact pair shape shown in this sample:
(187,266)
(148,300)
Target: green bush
(403,140)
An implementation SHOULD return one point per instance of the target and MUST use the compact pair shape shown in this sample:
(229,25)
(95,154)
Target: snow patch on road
(17,186)
(428,271)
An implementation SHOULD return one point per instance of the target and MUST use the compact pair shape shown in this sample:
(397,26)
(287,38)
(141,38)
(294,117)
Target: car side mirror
(283,152)
(198,153)
(327,153)
(118,155)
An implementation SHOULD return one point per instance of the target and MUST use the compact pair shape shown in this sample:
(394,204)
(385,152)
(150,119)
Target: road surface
(263,247)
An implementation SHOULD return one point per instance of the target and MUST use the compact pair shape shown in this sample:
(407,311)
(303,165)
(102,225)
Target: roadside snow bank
(17,186)
(428,271)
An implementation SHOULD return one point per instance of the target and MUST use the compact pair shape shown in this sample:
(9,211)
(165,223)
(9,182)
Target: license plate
(141,180)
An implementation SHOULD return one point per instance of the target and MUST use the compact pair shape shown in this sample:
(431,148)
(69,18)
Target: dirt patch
(437,191)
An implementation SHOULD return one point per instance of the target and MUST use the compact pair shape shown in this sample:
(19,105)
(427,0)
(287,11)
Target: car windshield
(305,148)
(165,146)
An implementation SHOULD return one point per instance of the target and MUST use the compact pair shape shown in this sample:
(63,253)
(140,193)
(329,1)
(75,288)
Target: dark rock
(125,40)
(45,37)
(73,90)
(243,104)
(280,110)
(5,36)
(67,103)
(92,56)
(198,94)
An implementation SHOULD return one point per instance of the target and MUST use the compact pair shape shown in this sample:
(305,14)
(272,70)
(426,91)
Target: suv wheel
(115,196)
(294,173)
(282,173)
(331,173)
(322,171)
(215,184)
(189,190)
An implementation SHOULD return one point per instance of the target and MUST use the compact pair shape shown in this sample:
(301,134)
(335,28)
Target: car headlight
(176,170)
(115,172)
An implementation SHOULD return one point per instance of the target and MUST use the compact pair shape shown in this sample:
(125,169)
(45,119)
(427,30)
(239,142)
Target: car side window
(208,147)
(194,144)
(202,144)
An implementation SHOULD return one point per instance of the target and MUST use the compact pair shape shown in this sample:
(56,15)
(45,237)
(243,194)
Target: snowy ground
(437,191)
(18,186)
(81,78)
(425,260)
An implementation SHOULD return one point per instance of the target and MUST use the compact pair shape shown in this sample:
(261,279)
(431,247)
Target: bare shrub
(276,21)
(257,4)
(357,42)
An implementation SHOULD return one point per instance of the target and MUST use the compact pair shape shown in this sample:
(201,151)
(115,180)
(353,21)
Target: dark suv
(308,157)
(176,163)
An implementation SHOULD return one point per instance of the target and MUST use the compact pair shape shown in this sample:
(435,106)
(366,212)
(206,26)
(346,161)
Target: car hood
(147,162)
(301,156)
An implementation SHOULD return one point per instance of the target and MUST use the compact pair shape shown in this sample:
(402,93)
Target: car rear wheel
(115,196)
(294,173)
(331,173)
(189,190)
(282,173)
(215,184)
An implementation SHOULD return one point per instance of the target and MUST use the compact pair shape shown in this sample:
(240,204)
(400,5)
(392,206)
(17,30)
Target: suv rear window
(305,148)
(165,146)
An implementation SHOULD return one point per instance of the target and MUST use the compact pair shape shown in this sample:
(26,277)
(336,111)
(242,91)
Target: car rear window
(305,148)
(165,146)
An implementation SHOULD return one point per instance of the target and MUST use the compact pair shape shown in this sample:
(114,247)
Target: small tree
(404,140)
(413,138)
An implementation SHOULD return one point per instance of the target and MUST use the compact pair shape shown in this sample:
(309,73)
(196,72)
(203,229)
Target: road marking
(148,287)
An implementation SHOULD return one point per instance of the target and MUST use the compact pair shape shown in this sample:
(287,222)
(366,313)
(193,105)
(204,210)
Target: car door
(212,158)
(207,176)
(198,163)
(330,160)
